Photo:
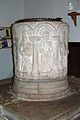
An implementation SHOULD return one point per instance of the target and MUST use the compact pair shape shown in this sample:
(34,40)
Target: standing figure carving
(40,56)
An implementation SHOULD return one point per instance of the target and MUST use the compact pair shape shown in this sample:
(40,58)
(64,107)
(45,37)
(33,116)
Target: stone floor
(67,108)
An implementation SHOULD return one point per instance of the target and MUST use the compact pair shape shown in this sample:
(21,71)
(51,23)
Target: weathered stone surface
(62,109)
(40,57)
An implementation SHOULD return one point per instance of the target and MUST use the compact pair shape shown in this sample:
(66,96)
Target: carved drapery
(40,55)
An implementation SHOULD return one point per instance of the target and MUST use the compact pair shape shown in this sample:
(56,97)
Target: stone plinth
(40,58)
(67,108)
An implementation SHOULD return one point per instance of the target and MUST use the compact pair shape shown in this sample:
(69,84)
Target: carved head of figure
(45,35)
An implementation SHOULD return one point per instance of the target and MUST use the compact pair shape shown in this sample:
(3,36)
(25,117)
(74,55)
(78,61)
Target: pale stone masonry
(40,56)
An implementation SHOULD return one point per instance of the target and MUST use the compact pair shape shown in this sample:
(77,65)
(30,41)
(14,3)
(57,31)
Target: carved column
(40,57)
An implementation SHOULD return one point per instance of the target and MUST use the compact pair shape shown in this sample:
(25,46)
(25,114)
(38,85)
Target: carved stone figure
(40,57)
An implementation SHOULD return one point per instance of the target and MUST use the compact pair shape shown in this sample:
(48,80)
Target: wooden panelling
(74,59)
